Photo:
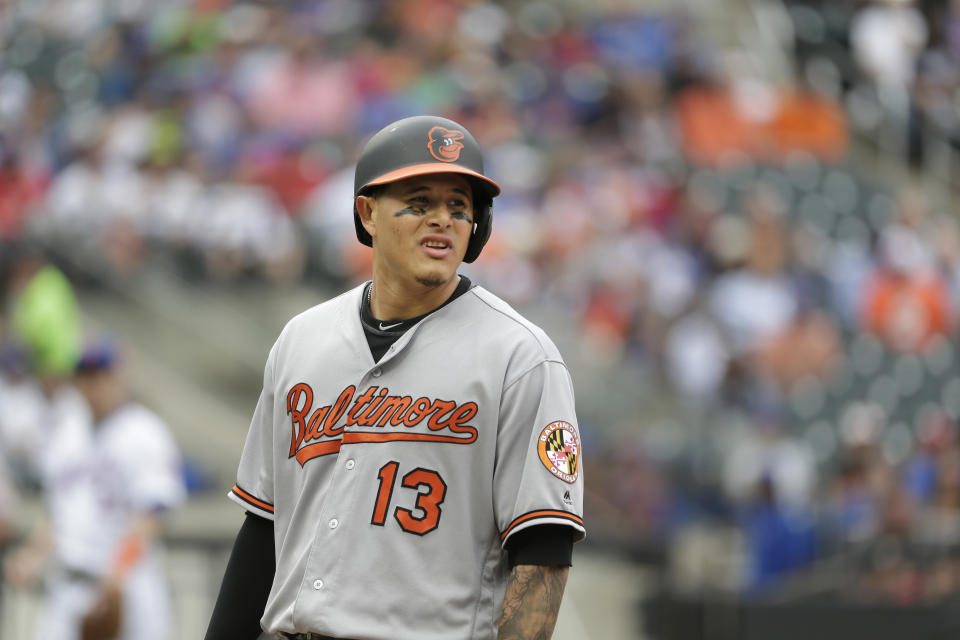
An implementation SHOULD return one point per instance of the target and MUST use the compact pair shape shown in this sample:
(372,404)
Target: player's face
(421,227)
(103,390)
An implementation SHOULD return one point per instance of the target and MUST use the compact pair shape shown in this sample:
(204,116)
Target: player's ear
(365,206)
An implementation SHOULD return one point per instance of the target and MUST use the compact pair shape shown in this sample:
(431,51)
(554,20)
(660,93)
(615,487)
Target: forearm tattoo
(531,602)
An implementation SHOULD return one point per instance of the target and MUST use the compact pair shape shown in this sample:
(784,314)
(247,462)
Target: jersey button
(350,464)
(376,373)
(318,584)
(334,523)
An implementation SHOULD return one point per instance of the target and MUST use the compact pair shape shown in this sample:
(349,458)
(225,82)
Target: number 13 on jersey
(430,489)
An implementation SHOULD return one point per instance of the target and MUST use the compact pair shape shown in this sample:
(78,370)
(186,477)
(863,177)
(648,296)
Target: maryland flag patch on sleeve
(559,449)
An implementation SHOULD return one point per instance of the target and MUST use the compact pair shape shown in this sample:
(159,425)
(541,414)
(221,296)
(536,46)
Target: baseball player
(109,475)
(412,469)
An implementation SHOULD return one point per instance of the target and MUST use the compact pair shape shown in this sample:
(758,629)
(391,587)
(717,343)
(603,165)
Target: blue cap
(97,356)
(14,358)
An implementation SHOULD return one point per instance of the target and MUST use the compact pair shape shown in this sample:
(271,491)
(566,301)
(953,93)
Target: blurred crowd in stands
(893,62)
(699,222)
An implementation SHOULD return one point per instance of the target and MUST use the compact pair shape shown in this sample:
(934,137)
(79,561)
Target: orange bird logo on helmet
(445,144)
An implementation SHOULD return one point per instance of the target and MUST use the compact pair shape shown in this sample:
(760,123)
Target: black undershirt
(381,334)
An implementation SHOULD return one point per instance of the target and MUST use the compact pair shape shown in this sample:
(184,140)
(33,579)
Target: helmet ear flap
(481,233)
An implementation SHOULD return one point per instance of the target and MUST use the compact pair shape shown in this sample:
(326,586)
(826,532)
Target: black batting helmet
(420,145)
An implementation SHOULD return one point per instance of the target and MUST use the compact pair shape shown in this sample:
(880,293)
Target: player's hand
(104,619)
(25,565)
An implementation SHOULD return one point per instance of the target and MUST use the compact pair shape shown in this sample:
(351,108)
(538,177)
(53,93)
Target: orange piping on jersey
(128,554)
(356,438)
(547,513)
(246,497)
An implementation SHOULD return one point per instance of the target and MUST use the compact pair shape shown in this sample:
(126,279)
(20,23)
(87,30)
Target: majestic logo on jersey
(318,431)
(559,449)
(444,144)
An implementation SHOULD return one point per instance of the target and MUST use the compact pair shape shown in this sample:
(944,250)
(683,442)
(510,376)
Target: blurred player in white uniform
(109,477)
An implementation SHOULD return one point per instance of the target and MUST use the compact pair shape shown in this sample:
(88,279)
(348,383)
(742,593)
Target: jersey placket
(339,512)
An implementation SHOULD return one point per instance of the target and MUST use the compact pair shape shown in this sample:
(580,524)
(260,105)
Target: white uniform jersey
(394,485)
(97,480)
(26,420)
(9,498)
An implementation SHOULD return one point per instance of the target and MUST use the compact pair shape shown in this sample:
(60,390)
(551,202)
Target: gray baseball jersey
(394,485)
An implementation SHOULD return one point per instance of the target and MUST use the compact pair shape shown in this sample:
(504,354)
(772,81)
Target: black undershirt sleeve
(246,583)
(544,545)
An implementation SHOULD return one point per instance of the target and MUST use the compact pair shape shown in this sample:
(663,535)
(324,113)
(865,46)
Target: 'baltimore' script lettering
(321,430)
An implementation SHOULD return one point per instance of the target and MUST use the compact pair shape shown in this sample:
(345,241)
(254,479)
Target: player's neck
(394,301)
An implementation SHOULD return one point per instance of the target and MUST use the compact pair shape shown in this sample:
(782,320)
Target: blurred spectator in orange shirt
(606,321)
(907,302)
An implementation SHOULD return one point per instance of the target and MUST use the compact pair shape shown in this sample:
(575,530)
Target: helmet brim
(434,167)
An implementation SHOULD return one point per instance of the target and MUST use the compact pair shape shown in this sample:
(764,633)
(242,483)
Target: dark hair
(374,190)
